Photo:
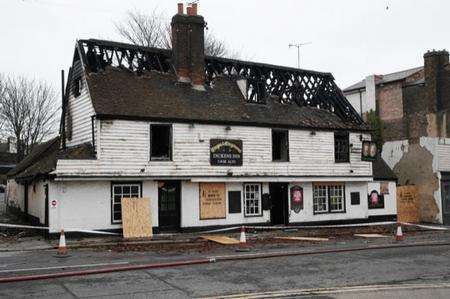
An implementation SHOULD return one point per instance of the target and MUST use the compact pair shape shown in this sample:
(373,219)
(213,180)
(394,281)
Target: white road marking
(63,267)
(300,292)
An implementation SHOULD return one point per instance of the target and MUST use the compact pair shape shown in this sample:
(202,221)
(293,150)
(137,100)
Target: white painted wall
(190,203)
(390,200)
(36,200)
(81,110)
(358,100)
(15,195)
(124,150)
(393,151)
(352,212)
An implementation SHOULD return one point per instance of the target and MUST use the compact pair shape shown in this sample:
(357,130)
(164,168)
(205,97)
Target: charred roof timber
(288,85)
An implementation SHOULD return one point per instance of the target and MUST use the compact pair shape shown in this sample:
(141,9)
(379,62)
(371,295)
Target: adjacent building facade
(210,141)
(413,106)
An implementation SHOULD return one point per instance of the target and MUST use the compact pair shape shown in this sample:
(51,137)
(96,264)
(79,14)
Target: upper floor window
(280,145)
(341,147)
(160,142)
(77,86)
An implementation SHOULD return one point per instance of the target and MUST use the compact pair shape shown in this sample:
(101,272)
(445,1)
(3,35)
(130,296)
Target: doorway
(169,207)
(445,197)
(279,212)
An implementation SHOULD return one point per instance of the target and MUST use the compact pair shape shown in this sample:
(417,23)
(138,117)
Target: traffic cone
(243,247)
(62,248)
(399,233)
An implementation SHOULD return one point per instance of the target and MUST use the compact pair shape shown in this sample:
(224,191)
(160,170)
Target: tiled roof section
(284,84)
(381,171)
(386,78)
(119,93)
(8,158)
(42,160)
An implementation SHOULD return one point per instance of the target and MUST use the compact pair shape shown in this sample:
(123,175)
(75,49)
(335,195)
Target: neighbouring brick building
(413,106)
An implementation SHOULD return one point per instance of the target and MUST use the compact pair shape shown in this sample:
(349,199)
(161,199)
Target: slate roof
(386,78)
(119,93)
(381,171)
(42,160)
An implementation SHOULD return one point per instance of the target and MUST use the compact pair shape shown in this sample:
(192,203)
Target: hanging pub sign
(225,152)
(369,151)
(296,199)
(376,200)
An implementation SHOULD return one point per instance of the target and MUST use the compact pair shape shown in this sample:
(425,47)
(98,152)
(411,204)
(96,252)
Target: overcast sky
(350,38)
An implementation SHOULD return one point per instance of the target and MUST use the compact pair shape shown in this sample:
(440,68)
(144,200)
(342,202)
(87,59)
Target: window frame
(286,131)
(121,183)
(328,198)
(244,197)
(170,158)
(345,135)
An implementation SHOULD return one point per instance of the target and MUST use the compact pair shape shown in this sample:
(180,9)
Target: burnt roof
(127,81)
(381,171)
(42,160)
(118,93)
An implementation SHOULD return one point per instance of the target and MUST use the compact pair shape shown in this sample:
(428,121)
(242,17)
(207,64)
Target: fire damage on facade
(413,106)
(210,141)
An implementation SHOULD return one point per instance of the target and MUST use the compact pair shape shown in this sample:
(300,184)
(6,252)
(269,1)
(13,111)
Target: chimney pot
(180,8)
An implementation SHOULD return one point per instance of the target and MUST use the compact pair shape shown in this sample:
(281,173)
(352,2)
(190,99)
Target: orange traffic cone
(62,248)
(399,233)
(243,241)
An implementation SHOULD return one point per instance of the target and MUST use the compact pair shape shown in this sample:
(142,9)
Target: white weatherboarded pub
(210,141)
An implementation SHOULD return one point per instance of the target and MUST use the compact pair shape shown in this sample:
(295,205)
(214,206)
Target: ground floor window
(120,191)
(252,200)
(328,198)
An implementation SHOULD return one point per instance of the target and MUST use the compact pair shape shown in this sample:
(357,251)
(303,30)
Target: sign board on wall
(225,152)
(296,198)
(212,201)
(369,151)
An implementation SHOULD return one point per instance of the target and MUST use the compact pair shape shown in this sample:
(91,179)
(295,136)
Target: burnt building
(413,106)
(210,141)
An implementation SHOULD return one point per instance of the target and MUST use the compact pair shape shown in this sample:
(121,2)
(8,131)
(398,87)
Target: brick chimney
(434,63)
(188,48)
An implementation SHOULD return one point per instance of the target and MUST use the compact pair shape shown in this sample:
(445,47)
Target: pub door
(445,196)
(279,212)
(169,208)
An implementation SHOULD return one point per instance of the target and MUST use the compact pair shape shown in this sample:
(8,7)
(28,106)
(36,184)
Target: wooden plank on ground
(302,238)
(136,218)
(221,240)
(370,236)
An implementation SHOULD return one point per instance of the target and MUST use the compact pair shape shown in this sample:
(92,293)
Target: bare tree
(29,112)
(153,30)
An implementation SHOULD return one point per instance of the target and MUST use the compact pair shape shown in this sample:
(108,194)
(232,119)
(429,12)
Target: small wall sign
(54,203)
(376,200)
(225,152)
(296,199)
(369,151)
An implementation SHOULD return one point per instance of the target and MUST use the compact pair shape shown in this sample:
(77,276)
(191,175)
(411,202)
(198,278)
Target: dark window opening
(160,142)
(234,202)
(280,145)
(341,147)
(77,87)
(354,197)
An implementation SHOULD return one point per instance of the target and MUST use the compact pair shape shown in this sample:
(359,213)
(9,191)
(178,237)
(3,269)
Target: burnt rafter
(288,85)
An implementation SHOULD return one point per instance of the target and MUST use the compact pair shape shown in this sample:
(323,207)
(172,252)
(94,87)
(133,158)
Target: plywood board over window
(408,204)
(212,201)
(136,219)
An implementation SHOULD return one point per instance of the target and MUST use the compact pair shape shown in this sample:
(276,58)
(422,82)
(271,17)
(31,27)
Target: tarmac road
(421,272)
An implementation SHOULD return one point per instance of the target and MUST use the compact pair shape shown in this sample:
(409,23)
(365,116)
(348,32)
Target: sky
(349,38)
